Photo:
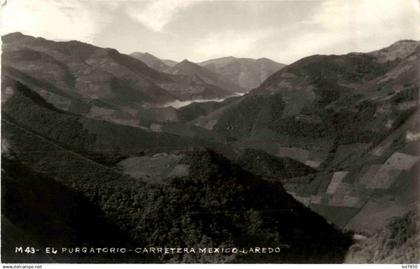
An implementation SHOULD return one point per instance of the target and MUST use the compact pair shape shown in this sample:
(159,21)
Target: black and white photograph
(210,132)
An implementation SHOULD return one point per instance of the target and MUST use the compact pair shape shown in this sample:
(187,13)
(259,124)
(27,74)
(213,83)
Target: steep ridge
(90,71)
(97,82)
(354,117)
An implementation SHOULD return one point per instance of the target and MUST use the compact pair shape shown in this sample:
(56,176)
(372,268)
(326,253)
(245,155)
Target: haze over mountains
(312,154)
(153,62)
(240,74)
(247,73)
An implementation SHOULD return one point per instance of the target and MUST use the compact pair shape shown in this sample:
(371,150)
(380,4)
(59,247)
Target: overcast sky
(198,30)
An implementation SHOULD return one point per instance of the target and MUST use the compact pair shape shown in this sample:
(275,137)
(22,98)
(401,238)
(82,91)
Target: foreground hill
(245,72)
(39,211)
(205,200)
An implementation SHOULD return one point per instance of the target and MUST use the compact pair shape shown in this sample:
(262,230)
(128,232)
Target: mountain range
(246,72)
(354,117)
(239,74)
(320,152)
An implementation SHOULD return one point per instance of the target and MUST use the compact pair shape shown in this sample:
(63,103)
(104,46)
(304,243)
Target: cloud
(227,43)
(52,19)
(333,27)
(359,25)
(366,17)
(199,29)
(157,14)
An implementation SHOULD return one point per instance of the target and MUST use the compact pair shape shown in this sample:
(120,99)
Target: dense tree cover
(217,204)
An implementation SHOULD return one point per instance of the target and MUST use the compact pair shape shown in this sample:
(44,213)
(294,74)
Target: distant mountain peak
(186,61)
(246,72)
(150,60)
(143,54)
(187,67)
(406,41)
(265,59)
(14,34)
(187,64)
(12,37)
(398,50)
(227,58)
(169,62)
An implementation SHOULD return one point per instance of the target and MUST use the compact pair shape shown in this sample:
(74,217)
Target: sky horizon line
(186,59)
(281,30)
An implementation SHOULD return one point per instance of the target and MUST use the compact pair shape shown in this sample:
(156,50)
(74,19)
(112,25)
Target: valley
(229,152)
